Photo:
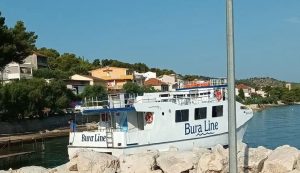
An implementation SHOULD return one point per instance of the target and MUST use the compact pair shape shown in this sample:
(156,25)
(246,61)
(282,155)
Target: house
(218,81)
(288,86)
(115,77)
(37,60)
(247,90)
(148,75)
(140,78)
(157,84)
(170,80)
(16,71)
(77,82)
(261,93)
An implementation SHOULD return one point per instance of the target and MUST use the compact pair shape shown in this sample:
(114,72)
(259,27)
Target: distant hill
(261,82)
(295,85)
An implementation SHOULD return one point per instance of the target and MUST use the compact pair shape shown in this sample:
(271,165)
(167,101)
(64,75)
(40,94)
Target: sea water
(274,127)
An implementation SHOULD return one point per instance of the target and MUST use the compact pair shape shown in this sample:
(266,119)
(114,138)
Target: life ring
(149,117)
(218,95)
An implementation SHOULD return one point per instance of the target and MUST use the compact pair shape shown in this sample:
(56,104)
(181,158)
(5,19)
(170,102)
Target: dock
(16,154)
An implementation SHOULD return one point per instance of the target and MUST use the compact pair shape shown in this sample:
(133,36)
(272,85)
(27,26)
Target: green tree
(71,64)
(50,74)
(97,63)
(28,98)
(288,97)
(16,43)
(241,94)
(57,95)
(95,91)
(49,52)
(132,88)
(148,89)
(140,67)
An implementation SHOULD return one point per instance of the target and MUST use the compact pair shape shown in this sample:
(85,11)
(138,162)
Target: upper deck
(185,96)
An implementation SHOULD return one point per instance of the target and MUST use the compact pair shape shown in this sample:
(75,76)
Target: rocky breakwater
(284,159)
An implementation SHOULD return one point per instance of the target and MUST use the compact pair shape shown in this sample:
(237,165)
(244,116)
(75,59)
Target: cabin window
(182,115)
(200,113)
(179,96)
(217,111)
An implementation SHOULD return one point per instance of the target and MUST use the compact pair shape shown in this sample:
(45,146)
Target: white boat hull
(189,144)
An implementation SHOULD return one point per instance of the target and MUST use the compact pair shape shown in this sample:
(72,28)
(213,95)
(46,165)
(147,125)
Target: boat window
(105,117)
(244,107)
(217,111)
(164,95)
(200,113)
(178,95)
(182,115)
(192,95)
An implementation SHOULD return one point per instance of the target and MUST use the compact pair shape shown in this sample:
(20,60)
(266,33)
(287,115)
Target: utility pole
(231,88)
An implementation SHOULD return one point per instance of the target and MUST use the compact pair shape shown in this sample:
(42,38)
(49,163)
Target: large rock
(61,169)
(139,163)
(176,162)
(72,164)
(251,160)
(198,153)
(282,160)
(90,161)
(31,169)
(216,161)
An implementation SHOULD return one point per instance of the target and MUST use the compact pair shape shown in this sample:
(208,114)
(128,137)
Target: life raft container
(149,117)
(218,95)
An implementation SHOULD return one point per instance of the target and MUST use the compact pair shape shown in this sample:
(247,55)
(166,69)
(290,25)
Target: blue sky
(187,36)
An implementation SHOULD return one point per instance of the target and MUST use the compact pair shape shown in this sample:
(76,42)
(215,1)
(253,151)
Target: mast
(231,88)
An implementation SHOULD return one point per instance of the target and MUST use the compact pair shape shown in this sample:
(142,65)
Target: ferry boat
(186,118)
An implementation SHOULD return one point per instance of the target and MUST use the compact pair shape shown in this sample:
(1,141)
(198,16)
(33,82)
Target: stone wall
(35,125)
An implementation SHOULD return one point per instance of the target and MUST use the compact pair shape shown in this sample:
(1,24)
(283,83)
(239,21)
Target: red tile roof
(242,86)
(154,82)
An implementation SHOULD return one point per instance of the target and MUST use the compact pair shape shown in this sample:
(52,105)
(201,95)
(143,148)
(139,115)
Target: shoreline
(261,107)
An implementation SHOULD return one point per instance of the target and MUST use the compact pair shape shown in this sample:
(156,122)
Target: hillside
(261,82)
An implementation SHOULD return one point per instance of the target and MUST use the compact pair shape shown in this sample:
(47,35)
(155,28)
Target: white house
(77,82)
(147,75)
(16,71)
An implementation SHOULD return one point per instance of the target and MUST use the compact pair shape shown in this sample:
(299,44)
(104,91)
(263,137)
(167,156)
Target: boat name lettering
(93,138)
(207,127)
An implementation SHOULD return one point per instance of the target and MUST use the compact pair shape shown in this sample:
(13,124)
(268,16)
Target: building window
(200,113)
(217,111)
(164,88)
(129,72)
(181,115)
